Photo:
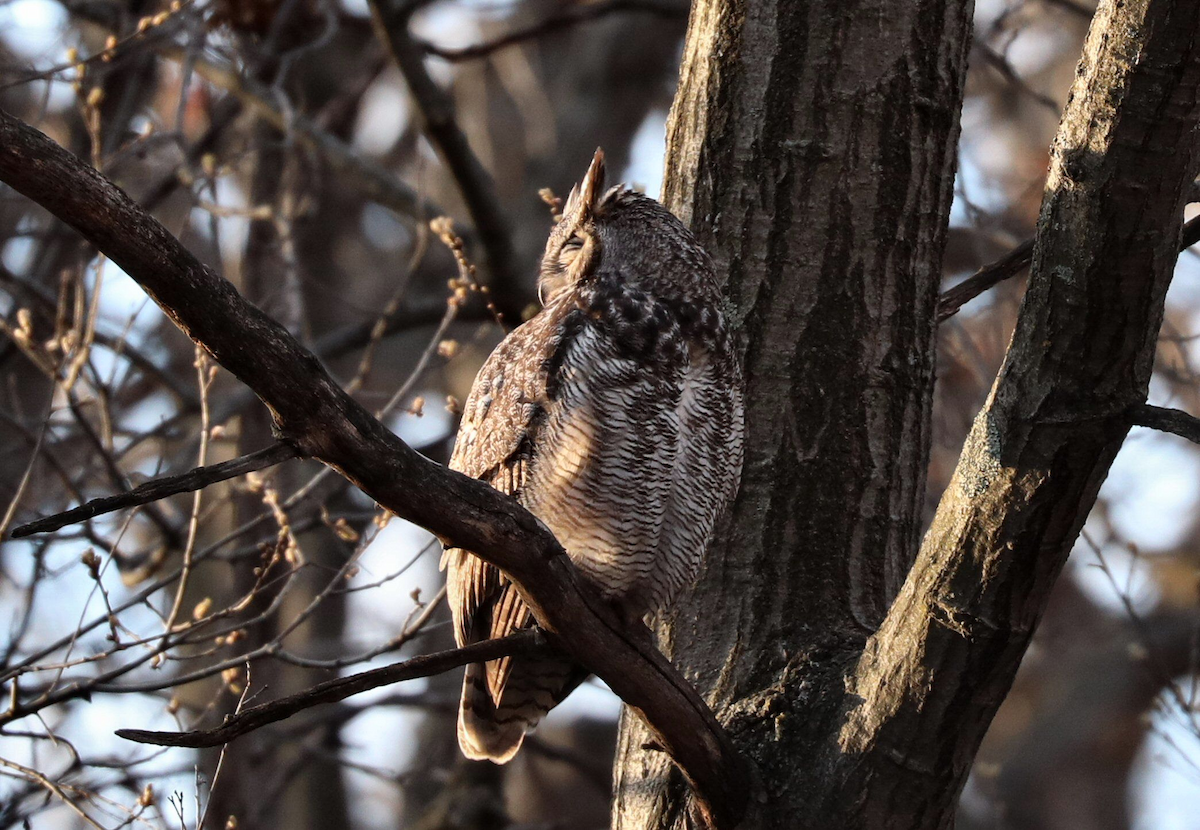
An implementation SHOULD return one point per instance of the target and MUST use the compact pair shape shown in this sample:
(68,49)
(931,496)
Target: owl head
(574,246)
(619,231)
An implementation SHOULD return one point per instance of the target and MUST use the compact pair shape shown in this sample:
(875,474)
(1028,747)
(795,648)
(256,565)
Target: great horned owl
(615,416)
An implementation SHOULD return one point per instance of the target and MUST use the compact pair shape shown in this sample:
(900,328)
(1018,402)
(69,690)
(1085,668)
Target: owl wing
(496,443)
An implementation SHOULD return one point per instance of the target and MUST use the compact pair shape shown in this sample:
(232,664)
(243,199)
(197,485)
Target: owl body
(614,416)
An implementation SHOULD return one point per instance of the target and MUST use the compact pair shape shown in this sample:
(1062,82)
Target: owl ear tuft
(585,197)
(572,202)
(593,183)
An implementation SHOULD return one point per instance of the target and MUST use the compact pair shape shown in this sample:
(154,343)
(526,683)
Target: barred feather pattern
(615,416)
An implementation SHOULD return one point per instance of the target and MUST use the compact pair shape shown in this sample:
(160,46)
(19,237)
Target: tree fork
(933,676)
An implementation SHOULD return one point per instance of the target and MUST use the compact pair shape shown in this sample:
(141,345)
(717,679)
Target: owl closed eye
(573,260)
(570,251)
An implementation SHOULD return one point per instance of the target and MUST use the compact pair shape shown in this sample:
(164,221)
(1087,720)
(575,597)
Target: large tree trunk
(812,148)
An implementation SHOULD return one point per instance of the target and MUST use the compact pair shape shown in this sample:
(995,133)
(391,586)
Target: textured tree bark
(820,181)
(1078,365)
(812,148)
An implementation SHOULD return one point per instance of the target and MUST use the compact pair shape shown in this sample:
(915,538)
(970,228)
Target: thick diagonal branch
(318,418)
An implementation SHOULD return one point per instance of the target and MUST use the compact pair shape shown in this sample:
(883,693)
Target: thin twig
(379,327)
(46,304)
(529,641)
(33,458)
(45,781)
(1009,265)
(204,381)
(160,488)
(221,756)
(436,111)
(1013,263)
(354,335)
(376,181)
(569,16)
(115,475)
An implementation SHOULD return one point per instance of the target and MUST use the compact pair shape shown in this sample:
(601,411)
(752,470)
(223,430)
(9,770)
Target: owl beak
(593,183)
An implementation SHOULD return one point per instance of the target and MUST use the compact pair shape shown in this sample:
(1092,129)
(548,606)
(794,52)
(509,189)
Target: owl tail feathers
(482,736)
(491,731)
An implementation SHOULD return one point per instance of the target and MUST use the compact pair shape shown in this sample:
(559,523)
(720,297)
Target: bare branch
(1165,419)
(1000,63)
(564,18)
(1014,262)
(354,335)
(373,179)
(1190,234)
(160,488)
(523,643)
(116,476)
(1009,265)
(436,110)
(317,417)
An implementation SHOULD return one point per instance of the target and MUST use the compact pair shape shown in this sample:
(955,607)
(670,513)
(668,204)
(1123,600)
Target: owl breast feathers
(614,416)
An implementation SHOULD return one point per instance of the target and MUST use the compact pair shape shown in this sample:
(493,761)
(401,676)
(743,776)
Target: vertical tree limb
(812,147)
(1080,361)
